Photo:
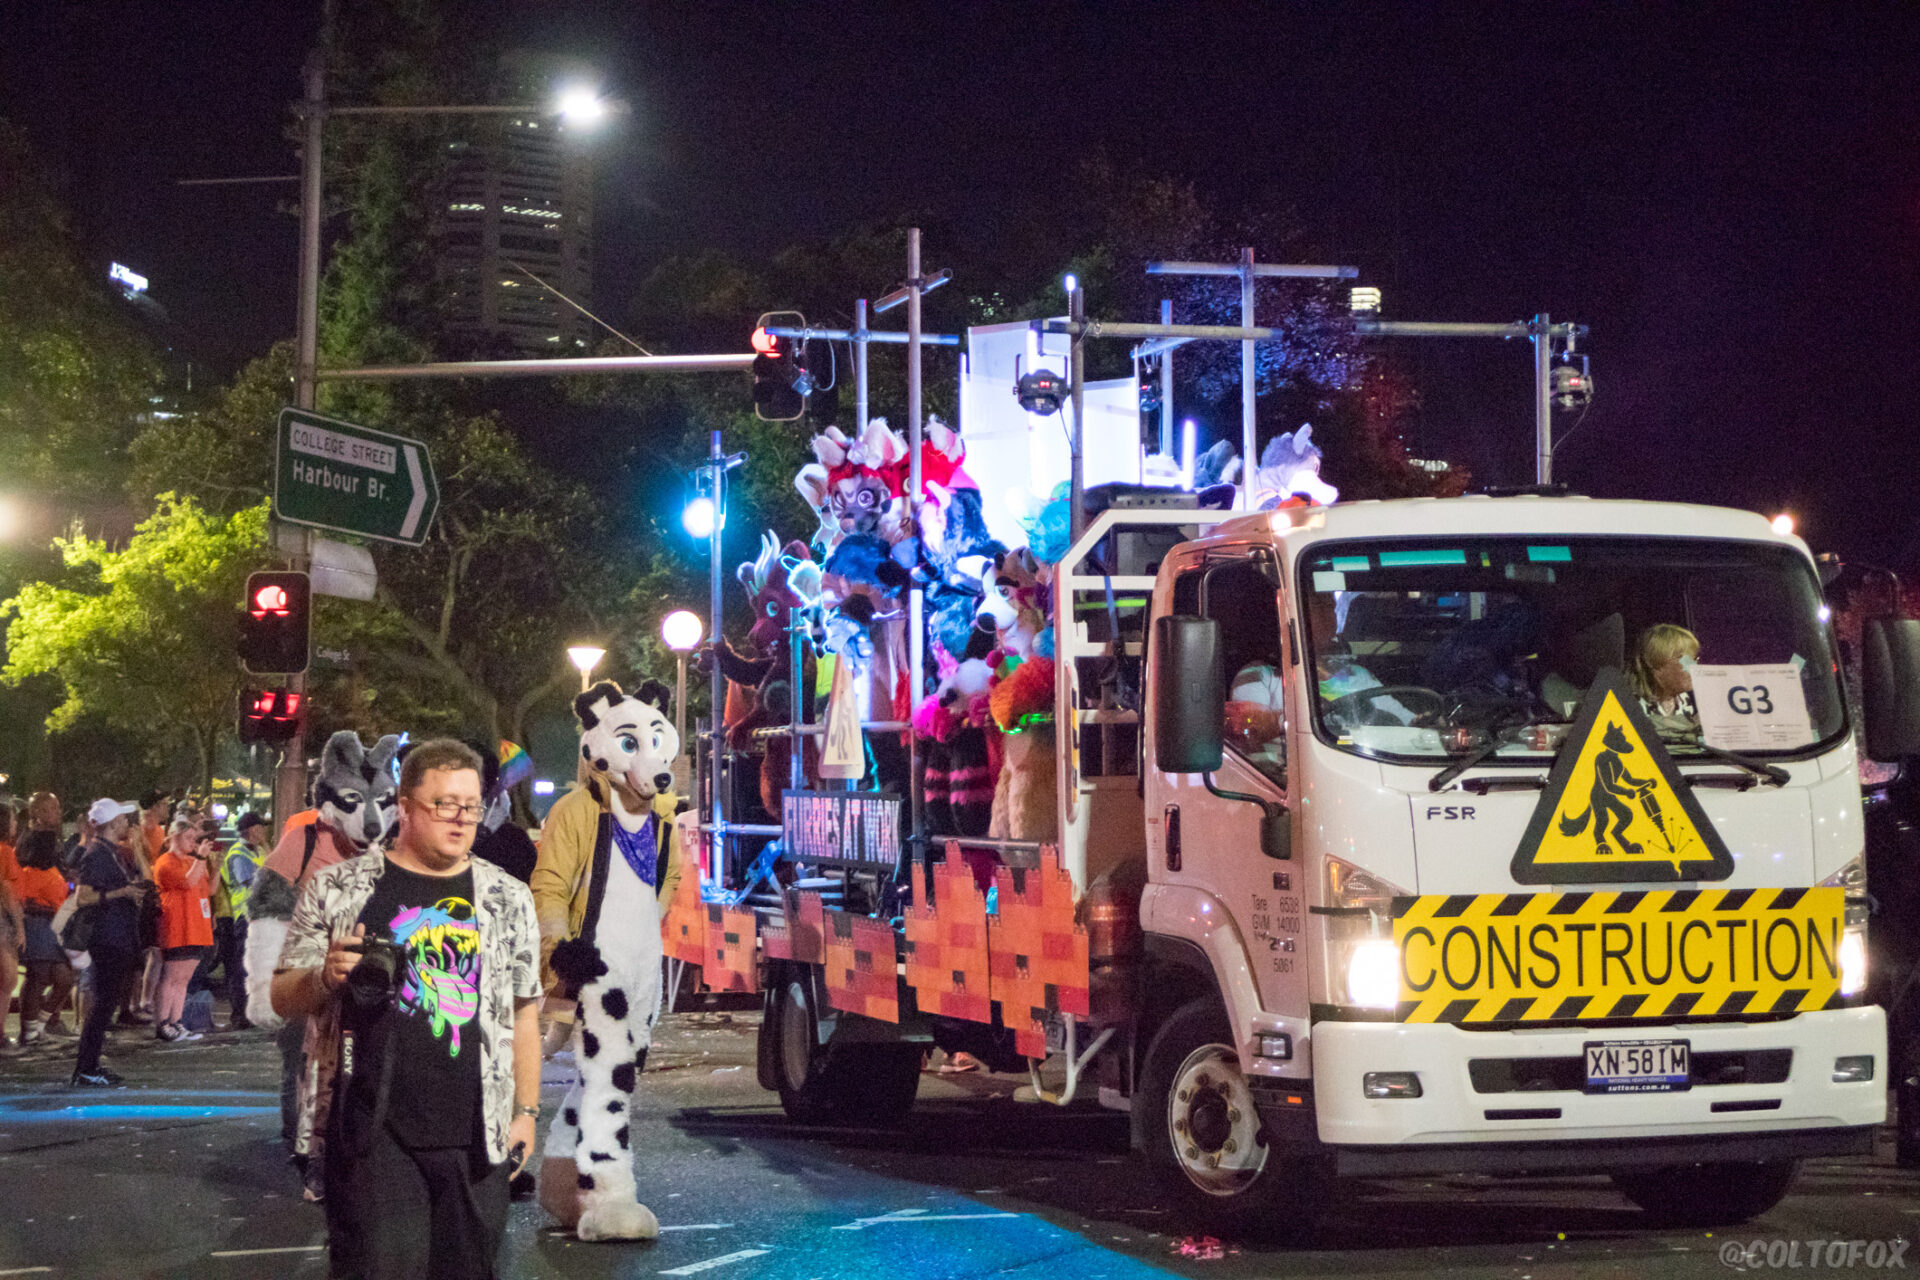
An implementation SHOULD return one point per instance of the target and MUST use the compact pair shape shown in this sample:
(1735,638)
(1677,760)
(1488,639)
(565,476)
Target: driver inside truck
(1662,675)
(1338,676)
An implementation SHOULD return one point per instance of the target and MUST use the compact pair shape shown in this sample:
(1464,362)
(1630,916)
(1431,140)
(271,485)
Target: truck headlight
(1853,960)
(1852,877)
(1373,973)
(1362,959)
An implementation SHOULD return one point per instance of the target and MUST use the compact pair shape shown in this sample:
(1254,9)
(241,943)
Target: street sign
(336,475)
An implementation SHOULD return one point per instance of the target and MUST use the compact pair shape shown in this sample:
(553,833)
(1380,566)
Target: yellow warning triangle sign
(1616,810)
(844,753)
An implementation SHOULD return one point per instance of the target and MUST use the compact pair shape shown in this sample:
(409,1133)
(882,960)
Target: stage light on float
(1187,430)
(698,517)
(1783,524)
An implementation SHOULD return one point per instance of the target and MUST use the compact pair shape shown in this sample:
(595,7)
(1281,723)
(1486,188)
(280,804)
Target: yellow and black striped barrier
(1664,953)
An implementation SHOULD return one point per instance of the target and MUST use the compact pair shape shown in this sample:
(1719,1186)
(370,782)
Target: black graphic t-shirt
(429,1027)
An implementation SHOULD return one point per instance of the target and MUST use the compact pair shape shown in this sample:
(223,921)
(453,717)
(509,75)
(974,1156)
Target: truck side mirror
(1890,687)
(1189,695)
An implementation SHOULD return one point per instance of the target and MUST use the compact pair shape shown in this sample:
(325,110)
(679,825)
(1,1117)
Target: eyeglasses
(453,810)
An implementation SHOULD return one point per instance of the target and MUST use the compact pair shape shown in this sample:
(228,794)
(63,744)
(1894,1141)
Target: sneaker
(58,1030)
(135,1019)
(239,1023)
(185,1035)
(100,1078)
(9,1049)
(169,1031)
(32,1032)
(313,1188)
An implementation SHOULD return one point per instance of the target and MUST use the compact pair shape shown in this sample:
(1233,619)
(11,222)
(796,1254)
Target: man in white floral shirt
(426,1070)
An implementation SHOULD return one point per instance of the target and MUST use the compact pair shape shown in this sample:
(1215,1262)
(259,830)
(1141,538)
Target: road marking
(697,1226)
(918,1215)
(256,1253)
(25,1271)
(693,1268)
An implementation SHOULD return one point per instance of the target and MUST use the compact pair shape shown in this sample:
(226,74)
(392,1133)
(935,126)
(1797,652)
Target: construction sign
(1643,954)
(1616,810)
(844,755)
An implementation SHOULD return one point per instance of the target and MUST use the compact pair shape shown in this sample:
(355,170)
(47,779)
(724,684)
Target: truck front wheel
(1707,1195)
(1203,1137)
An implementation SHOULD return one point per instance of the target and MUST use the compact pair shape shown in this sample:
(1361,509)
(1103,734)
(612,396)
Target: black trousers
(396,1214)
(113,973)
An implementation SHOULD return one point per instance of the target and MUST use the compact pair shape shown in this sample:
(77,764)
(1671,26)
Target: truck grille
(1568,1074)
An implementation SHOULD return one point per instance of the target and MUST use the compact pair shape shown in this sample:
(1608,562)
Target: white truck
(1392,872)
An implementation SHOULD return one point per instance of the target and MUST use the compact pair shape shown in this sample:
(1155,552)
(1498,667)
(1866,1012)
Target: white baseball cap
(103,810)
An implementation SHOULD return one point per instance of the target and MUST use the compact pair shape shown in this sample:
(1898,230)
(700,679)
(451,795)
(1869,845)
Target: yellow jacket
(570,840)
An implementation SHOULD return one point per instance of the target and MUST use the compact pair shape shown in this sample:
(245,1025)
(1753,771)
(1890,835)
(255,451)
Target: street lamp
(698,518)
(682,630)
(12,518)
(586,657)
(1783,524)
(581,106)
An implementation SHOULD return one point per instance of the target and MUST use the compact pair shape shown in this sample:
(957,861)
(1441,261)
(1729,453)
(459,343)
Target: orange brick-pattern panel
(684,934)
(776,940)
(947,945)
(1036,955)
(729,960)
(860,971)
(806,926)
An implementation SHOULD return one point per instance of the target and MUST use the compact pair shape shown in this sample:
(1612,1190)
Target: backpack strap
(313,838)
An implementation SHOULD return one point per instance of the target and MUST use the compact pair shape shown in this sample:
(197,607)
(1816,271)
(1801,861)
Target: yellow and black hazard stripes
(1664,953)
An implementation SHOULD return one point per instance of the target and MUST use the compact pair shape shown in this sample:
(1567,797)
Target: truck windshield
(1424,650)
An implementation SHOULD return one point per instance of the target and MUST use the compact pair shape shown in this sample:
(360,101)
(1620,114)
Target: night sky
(1729,195)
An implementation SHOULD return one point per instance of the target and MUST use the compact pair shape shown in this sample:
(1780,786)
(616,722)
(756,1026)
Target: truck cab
(1441,877)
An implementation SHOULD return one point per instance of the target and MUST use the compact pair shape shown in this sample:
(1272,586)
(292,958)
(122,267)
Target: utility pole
(290,779)
(1246,271)
(917,286)
(1542,327)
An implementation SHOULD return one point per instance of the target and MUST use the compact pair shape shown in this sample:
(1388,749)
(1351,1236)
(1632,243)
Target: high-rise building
(518,210)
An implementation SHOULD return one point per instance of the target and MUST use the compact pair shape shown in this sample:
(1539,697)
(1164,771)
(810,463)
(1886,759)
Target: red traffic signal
(276,624)
(271,715)
(781,382)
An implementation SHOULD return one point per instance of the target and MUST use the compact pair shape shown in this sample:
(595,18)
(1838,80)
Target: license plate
(1637,1066)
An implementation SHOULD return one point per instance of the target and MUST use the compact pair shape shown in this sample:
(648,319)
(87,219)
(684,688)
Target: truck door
(1200,839)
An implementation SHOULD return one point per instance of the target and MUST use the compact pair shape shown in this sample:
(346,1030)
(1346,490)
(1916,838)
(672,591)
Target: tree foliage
(75,374)
(141,638)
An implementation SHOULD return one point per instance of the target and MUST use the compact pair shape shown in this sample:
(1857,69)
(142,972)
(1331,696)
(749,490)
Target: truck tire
(1707,1195)
(1203,1140)
(799,1059)
(861,1084)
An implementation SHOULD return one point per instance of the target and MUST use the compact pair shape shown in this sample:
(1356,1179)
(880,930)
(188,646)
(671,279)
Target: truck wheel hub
(1213,1123)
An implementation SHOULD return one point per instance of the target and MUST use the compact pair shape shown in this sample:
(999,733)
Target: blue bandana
(638,849)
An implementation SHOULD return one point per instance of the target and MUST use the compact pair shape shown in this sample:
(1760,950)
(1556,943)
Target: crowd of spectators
(122,917)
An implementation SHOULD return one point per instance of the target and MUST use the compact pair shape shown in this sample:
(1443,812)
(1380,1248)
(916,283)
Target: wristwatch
(527,1111)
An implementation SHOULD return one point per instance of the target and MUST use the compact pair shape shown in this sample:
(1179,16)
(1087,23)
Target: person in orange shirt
(186,921)
(13,929)
(41,886)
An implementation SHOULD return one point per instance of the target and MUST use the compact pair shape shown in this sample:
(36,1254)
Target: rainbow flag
(515,764)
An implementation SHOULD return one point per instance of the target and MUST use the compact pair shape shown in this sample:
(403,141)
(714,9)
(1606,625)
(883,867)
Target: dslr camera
(373,981)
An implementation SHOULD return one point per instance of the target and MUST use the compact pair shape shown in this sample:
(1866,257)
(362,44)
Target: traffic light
(780,378)
(276,623)
(271,715)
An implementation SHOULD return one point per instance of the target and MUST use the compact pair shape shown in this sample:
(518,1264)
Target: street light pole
(1542,327)
(290,779)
